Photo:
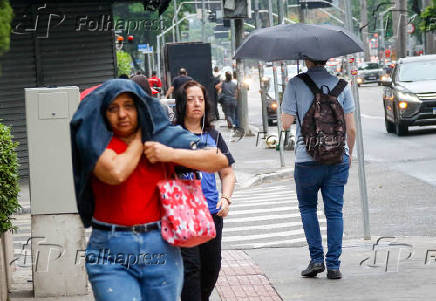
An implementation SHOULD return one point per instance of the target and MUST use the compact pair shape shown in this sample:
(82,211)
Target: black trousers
(202,265)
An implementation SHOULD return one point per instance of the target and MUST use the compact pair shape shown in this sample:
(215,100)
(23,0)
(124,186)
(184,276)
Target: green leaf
(9,187)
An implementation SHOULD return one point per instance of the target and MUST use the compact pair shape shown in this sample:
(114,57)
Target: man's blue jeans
(310,177)
(133,266)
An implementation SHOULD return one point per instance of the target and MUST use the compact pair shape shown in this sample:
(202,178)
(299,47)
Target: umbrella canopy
(298,41)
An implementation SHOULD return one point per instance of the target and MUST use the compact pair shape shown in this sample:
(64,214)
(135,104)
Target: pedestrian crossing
(265,217)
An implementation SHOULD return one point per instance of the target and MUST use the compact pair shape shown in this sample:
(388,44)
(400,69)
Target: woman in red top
(126,257)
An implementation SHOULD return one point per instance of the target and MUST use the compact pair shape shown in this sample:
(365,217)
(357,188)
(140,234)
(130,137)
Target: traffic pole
(352,72)
(242,107)
(279,115)
(270,13)
(260,69)
(203,21)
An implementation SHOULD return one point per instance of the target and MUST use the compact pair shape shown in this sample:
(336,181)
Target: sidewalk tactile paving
(241,279)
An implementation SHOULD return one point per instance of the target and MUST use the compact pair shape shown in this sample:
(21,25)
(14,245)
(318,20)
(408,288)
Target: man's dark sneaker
(334,274)
(313,269)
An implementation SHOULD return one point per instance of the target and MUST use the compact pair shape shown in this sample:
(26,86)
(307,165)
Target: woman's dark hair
(181,100)
(142,81)
(228,76)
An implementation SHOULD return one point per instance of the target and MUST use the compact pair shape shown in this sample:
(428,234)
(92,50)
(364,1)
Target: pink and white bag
(186,220)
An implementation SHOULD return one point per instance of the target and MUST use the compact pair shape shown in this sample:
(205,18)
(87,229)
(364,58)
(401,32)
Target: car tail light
(402,105)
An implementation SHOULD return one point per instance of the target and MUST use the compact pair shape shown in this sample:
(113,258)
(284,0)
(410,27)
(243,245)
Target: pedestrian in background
(203,263)
(312,176)
(155,81)
(216,81)
(115,175)
(235,80)
(228,96)
(142,81)
(178,81)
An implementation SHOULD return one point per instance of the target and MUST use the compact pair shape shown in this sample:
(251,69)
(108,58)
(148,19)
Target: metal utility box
(57,232)
(48,112)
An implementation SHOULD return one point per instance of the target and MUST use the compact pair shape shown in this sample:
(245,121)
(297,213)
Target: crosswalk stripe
(270,244)
(254,200)
(263,203)
(275,190)
(264,210)
(262,218)
(256,190)
(257,199)
(268,235)
(267,226)
(263,194)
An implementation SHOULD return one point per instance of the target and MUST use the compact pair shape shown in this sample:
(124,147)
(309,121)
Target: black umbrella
(298,41)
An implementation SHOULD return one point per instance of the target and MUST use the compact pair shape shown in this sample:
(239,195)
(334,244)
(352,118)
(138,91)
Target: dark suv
(410,99)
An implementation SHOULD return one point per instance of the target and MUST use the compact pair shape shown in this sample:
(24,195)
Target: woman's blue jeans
(229,108)
(133,266)
(310,177)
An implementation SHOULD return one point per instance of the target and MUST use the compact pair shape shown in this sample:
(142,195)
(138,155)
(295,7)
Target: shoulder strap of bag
(309,82)
(312,86)
(339,88)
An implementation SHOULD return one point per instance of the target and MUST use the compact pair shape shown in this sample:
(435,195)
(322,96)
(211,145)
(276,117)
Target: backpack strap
(339,88)
(309,82)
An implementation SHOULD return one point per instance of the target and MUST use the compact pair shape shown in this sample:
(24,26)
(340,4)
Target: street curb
(284,173)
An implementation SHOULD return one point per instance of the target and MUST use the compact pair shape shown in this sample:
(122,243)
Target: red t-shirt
(154,81)
(135,201)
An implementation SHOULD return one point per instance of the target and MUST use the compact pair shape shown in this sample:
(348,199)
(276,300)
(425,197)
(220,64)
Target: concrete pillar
(429,37)
(58,245)
(402,29)
(8,251)
(3,275)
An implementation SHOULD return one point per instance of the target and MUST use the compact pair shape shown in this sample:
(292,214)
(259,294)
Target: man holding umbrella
(311,175)
(334,129)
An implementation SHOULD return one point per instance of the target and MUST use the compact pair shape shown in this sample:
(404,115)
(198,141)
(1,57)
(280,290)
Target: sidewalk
(405,279)
(274,274)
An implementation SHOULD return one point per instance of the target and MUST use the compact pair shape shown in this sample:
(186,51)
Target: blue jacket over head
(91,134)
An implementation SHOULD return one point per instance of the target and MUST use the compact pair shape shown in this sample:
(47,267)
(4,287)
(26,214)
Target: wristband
(227,198)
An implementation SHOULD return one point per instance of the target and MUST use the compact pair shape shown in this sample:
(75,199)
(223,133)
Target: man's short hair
(153,73)
(318,62)
(183,71)
(216,69)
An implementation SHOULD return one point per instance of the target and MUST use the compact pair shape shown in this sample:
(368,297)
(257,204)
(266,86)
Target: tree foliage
(6,16)
(428,18)
(124,63)
(147,31)
(8,179)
